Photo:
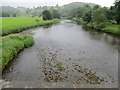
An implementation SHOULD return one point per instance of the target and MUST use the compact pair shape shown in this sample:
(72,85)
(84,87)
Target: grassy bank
(17,24)
(109,28)
(112,28)
(11,45)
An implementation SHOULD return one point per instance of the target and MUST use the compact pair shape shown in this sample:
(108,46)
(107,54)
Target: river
(65,55)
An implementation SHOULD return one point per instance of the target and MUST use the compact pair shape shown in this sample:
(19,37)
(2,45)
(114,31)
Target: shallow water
(89,59)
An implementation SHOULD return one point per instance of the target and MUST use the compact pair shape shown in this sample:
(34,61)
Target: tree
(117,11)
(80,12)
(28,11)
(98,16)
(87,6)
(14,14)
(114,12)
(96,7)
(55,14)
(108,13)
(47,15)
(5,14)
(87,16)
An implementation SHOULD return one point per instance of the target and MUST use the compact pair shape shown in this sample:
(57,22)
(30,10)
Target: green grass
(17,24)
(11,45)
(112,28)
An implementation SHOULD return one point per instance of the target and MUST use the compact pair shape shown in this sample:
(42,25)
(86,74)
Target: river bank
(11,46)
(89,59)
(18,24)
(108,28)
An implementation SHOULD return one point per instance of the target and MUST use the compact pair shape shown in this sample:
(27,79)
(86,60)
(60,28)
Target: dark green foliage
(10,10)
(56,14)
(96,7)
(87,16)
(99,16)
(47,15)
(5,14)
(14,14)
(114,12)
(117,11)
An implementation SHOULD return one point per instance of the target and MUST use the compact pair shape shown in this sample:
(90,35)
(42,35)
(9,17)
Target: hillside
(22,11)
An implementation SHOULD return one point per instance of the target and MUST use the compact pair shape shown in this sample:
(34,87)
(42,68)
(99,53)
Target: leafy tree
(87,6)
(98,16)
(96,7)
(14,14)
(28,11)
(111,13)
(87,16)
(114,12)
(117,11)
(108,13)
(47,15)
(55,14)
(5,14)
(80,12)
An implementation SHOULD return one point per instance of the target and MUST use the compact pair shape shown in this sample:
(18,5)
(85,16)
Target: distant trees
(88,16)
(55,14)
(14,15)
(47,15)
(98,16)
(96,7)
(5,14)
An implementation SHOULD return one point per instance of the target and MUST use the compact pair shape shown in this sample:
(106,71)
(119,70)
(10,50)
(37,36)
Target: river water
(66,55)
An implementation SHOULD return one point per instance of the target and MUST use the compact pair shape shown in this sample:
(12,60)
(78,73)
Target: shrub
(47,15)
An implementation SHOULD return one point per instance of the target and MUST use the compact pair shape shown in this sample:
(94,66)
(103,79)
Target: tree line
(48,15)
(87,12)
(97,14)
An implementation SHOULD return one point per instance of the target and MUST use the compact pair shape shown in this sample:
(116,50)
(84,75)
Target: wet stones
(89,76)
(53,74)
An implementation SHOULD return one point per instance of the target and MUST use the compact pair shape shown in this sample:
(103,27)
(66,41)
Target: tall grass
(18,24)
(11,45)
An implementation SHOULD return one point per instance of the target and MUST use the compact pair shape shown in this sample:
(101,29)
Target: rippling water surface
(88,59)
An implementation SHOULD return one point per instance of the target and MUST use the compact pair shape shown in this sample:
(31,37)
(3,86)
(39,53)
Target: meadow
(11,45)
(17,24)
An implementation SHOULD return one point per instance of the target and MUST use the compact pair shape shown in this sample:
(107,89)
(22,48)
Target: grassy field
(11,45)
(18,24)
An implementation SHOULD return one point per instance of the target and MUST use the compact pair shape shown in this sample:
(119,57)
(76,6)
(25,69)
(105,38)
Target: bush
(47,15)
(95,25)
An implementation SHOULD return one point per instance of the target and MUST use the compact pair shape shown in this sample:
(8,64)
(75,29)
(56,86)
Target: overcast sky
(31,3)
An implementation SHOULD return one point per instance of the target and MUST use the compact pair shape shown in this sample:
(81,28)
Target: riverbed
(87,58)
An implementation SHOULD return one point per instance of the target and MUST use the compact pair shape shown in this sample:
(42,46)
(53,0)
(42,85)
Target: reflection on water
(109,39)
(87,57)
